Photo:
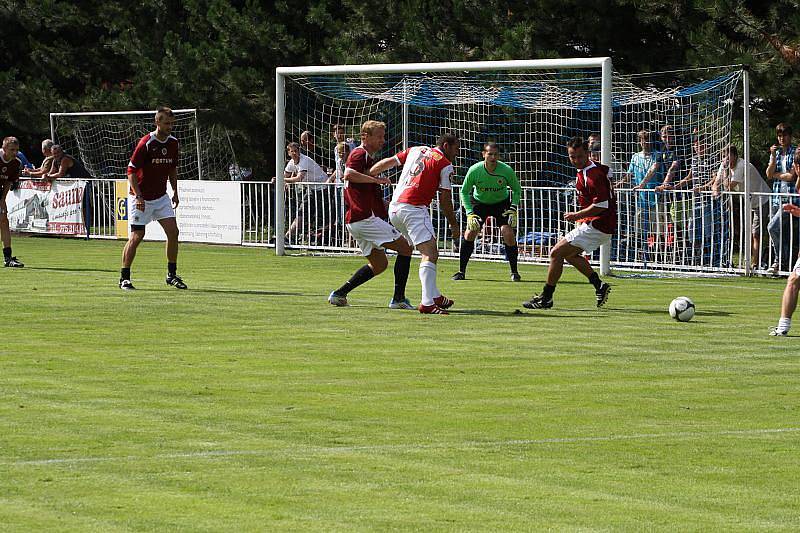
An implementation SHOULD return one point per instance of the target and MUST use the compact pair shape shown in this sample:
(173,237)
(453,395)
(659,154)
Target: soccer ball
(681,309)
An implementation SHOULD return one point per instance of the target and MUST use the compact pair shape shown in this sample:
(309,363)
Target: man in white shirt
(732,174)
(302,168)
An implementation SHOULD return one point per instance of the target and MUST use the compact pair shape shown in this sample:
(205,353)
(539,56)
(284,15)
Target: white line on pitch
(405,447)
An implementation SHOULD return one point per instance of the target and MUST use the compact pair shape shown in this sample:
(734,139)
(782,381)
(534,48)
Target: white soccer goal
(531,109)
(104,142)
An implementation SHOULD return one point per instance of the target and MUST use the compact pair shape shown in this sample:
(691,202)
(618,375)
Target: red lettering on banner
(70,197)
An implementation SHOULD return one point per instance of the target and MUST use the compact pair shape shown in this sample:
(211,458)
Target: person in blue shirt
(644,174)
(782,229)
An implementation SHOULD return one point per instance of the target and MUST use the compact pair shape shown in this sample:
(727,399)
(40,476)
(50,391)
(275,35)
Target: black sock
(7,252)
(125,273)
(512,253)
(401,267)
(172,268)
(465,252)
(362,275)
(594,279)
(548,291)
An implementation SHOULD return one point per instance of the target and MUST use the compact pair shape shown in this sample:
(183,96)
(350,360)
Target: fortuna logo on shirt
(163,151)
(5,169)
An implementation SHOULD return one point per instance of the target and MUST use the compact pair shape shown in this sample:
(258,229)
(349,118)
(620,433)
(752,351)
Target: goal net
(531,109)
(104,142)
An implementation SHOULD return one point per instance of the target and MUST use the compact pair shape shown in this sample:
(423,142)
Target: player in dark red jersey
(365,216)
(598,222)
(10,168)
(154,161)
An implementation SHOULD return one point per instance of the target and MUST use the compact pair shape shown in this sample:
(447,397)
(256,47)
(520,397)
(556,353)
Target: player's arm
(446,203)
(173,181)
(354,176)
(4,188)
(466,191)
(383,165)
(516,189)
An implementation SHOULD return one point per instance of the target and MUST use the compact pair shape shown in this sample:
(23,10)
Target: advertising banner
(209,211)
(38,206)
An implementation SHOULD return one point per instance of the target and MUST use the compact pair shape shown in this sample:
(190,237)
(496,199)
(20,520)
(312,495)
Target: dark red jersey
(362,200)
(594,188)
(9,170)
(151,162)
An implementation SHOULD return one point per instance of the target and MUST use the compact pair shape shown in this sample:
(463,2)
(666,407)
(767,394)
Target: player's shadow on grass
(67,269)
(247,292)
(699,315)
(510,314)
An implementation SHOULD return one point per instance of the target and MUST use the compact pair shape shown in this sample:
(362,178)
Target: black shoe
(602,294)
(175,281)
(126,285)
(515,276)
(458,276)
(13,262)
(538,302)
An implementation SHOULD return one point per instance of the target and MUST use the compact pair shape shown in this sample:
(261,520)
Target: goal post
(105,140)
(677,123)
(405,85)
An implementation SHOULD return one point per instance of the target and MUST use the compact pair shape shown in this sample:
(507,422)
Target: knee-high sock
(362,275)
(512,253)
(427,276)
(401,267)
(465,252)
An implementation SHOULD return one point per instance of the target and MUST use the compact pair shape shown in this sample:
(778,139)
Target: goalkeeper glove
(511,215)
(473,222)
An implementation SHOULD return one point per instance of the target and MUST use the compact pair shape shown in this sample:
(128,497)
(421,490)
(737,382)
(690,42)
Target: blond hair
(370,126)
(9,141)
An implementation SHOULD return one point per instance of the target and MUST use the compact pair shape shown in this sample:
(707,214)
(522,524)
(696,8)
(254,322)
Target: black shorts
(495,211)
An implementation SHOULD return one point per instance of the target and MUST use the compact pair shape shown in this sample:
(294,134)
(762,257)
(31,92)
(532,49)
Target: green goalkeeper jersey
(489,187)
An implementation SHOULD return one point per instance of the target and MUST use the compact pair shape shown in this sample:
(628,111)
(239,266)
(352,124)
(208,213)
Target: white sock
(784,324)
(427,276)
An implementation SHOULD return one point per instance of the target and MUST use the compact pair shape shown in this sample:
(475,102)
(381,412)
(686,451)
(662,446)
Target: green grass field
(248,403)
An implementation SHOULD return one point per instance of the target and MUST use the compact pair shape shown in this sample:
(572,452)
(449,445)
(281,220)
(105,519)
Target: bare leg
(171,229)
(129,252)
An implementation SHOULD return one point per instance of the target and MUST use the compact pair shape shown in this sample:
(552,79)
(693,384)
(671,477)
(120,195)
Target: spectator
(47,163)
(307,143)
(66,165)
(732,174)
(781,223)
(643,175)
(302,168)
(344,144)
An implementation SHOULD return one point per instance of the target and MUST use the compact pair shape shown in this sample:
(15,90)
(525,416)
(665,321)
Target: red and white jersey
(594,188)
(9,170)
(151,162)
(425,171)
(362,200)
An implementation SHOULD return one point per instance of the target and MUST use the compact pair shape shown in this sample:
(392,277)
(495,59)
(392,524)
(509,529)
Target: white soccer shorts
(413,221)
(587,238)
(372,233)
(153,210)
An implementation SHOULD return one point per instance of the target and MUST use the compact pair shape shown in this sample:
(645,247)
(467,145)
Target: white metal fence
(674,231)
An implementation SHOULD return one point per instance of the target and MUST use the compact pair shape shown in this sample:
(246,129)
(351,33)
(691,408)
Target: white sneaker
(773,270)
(776,332)
(401,304)
(338,301)
(126,285)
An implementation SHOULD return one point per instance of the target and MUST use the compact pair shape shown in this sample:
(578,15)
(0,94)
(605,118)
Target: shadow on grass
(67,269)
(247,292)
(697,318)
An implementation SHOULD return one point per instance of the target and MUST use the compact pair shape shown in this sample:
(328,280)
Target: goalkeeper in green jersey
(484,194)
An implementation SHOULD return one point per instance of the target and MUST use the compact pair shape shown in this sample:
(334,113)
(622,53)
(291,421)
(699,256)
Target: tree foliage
(222,54)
